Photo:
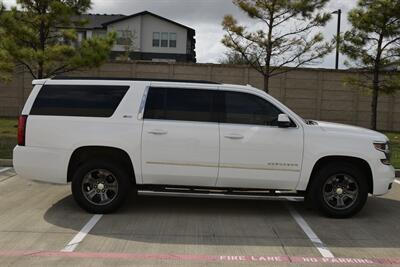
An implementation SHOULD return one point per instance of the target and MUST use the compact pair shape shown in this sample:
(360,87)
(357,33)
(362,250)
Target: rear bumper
(384,175)
(41,164)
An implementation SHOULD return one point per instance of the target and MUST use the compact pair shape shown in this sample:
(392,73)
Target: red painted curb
(214,258)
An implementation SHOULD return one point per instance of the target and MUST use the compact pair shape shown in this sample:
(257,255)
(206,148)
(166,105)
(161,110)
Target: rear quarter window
(78,100)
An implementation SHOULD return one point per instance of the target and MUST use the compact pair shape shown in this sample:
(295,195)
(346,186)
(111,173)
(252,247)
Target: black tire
(319,192)
(119,177)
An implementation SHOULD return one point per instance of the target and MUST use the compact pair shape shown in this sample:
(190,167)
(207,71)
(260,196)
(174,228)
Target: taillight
(22,129)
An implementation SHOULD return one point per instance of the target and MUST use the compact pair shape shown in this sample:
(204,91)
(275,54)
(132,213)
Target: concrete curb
(6,163)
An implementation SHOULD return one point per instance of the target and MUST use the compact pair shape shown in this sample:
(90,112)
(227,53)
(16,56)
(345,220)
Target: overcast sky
(205,17)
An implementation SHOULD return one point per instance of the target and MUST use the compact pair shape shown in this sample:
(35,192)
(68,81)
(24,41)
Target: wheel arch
(361,163)
(84,153)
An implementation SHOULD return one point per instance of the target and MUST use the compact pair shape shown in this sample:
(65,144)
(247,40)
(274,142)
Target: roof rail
(132,79)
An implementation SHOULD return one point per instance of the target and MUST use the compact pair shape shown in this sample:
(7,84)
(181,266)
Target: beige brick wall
(312,93)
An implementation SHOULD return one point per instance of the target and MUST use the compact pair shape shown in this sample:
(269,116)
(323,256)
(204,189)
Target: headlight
(385,148)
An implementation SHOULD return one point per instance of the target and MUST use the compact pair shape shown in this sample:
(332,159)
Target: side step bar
(220,196)
(221,193)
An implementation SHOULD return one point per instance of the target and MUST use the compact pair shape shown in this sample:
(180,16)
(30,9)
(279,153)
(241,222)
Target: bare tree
(128,40)
(287,37)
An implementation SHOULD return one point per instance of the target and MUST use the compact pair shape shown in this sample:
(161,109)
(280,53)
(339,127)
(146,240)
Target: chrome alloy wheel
(340,191)
(100,187)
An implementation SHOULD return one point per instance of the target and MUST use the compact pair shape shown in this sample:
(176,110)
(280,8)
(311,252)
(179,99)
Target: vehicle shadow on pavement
(237,222)
(375,226)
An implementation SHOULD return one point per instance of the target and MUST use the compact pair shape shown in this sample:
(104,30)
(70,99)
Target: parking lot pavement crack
(280,241)
(7,177)
(5,169)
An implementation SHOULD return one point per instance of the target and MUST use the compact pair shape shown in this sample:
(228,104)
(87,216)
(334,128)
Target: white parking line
(396,181)
(82,233)
(5,169)
(325,252)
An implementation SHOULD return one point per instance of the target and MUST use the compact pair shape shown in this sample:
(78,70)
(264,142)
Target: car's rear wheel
(99,186)
(339,190)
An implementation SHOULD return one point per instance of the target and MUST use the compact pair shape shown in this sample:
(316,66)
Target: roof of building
(96,21)
(101,21)
(147,13)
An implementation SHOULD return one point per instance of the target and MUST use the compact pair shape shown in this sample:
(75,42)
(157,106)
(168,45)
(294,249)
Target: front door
(180,138)
(255,153)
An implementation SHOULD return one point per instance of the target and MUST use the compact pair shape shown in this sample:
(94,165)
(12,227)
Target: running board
(258,196)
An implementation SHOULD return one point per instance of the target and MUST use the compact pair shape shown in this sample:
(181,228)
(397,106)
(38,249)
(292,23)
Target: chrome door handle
(234,136)
(157,131)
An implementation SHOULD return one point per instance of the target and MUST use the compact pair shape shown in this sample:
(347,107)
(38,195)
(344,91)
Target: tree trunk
(375,85)
(374,103)
(42,40)
(266,83)
(269,47)
(40,71)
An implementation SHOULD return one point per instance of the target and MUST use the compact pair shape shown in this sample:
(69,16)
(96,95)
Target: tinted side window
(78,100)
(155,104)
(242,108)
(179,104)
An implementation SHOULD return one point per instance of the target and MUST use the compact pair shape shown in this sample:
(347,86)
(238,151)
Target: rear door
(180,138)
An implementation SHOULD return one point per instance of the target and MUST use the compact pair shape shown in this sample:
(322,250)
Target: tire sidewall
(316,194)
(120,175)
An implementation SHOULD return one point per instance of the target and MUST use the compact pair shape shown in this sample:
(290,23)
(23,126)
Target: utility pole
(339,13)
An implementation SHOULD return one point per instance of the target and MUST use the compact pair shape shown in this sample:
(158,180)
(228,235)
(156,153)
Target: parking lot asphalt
(40,224)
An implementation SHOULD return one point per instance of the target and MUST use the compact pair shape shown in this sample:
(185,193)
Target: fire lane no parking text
(204,258)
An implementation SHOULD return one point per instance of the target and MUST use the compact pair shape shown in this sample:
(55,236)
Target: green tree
(40,35)
(373,45)
(285,35)
(6,66)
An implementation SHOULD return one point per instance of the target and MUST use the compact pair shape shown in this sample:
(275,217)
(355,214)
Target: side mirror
(284,121)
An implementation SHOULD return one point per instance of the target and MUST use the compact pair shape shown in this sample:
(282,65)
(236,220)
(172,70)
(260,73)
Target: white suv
(111,138)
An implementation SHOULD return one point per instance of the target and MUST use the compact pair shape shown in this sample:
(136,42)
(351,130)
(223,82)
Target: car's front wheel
(339,190)
(99,186)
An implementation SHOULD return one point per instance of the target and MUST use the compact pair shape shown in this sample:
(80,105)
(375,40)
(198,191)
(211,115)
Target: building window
(100,33)
(80,37)
(156,39)
(172,39)
(124,37)
(164,39)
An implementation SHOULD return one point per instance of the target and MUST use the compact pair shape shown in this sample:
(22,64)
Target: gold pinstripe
(226,165)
